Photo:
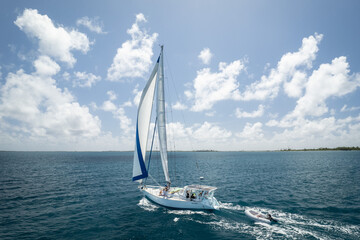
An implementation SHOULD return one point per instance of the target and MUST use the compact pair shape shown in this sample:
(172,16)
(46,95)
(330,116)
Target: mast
(160,113)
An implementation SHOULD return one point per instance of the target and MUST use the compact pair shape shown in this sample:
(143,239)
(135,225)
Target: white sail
(142,125)
(160,113)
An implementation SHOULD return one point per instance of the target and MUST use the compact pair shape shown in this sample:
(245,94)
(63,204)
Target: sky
(239,75)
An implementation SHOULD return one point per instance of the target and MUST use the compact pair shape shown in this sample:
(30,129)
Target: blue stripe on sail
(140,157)
(158,59)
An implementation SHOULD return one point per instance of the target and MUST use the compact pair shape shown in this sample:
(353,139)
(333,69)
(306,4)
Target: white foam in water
(291,226)
(187,212)
(295,225)
(147,205)
(230,206)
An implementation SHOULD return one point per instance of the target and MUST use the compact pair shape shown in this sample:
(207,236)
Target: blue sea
(90,195)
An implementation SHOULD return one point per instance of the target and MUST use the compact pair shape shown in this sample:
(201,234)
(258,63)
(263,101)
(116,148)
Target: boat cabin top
(200,187)
(198,192)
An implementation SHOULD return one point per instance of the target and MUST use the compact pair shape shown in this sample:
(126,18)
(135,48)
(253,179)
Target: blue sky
(240,75)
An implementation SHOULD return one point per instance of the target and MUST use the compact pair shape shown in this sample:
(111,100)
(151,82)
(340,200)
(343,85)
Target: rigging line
(152,142)
(182,114)
(154,180)
(172,135)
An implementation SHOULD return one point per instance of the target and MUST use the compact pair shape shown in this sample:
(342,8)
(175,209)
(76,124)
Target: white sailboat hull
(178,201)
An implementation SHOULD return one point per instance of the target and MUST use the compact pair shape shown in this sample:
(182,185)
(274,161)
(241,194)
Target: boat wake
(289,225)
(147,205)
(231,206)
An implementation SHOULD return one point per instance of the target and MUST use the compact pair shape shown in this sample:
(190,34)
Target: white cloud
(330,80)
(294,88)
(125,122)
(66,76)
(118,113)
(93,25)
(198,136)
(210,114)
(127,104)
(210,132)
(45,66)
(108,106)
(32,104)
(346,109)
(177,130)
(137,94)
(287,68)
(257,113)
(205,56)
(210,88)
(84,79)
(133,59)
(56,42)
(179,106)
(111,94)
(252,131)
(321,132)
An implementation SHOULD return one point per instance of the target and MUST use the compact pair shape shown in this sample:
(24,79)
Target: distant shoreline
(324,149)
(281,150)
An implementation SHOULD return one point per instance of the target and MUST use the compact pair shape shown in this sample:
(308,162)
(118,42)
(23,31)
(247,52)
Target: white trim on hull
(179,202)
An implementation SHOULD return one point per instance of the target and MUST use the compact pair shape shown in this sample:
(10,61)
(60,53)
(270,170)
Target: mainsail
(143,122)
(160,113)
(142,125)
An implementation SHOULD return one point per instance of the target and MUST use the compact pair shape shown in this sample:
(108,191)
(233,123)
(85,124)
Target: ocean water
(90,195)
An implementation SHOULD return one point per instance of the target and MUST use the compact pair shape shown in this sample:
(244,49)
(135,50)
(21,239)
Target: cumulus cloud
(83,79)
(93,25)
(198,136)
(108,106)
(32,104)
(45,66)
(257,113)
(294,88)
(319,132)
(56,42)
(205,56)
(289,68)
(305,126)
(210,131)
(210,88)
(118,112)
(112,95)
(137,94)
(179,106)
(133,58)
(251,131)
(346,109)
(330,80)
(125,122)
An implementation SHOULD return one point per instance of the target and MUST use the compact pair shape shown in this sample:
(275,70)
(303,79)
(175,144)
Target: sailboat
(188,197)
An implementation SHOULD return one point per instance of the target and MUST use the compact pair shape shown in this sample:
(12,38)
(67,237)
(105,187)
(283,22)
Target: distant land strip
(325,149)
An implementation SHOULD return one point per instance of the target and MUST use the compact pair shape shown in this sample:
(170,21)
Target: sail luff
(143,124)
(160,113)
